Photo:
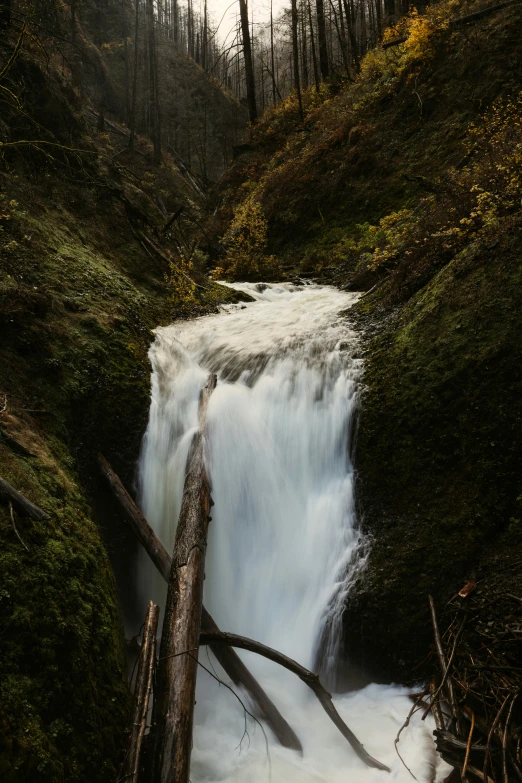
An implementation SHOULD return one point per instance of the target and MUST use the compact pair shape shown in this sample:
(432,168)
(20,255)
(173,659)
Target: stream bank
(79,297)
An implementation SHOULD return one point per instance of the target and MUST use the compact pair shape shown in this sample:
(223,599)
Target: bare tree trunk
(321,34)
(132,118)
(350,23)
(226,656)
(340,36)
(178,663)
(249,67)
(144,678)
(342,39)
(175,21)
(304,47)
(125,35)
(204,56)
(312,43)
(154,108)
(378,17)
(295,52)
(272,60)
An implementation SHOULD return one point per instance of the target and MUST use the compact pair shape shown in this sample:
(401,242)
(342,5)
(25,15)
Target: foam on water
(284,547)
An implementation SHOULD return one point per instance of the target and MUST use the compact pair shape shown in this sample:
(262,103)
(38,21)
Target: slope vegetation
(408,184)
(86,272)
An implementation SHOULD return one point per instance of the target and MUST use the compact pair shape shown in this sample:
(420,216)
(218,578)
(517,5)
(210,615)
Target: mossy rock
(438,449)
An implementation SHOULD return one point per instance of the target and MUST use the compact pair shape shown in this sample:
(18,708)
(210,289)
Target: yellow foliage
(179,279)
(246,241)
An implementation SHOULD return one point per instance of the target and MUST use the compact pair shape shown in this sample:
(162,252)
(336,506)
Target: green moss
(64,699)
(372,148)
(439,446)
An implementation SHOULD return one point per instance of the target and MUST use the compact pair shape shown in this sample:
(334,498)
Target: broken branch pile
(475,697)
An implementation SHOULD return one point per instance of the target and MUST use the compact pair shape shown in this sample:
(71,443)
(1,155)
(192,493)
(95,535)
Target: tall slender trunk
(204,45)
(249,67)
(343,41)
(350,23)
(312,44)
(295,52)
(304,47)
(378,17)
(175,21)
(154,86)
(190,29)
(321,34)
(272,57)
(125,34)
(132,118)
(340,36)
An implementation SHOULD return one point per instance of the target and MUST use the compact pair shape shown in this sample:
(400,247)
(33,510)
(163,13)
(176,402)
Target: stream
(284,547)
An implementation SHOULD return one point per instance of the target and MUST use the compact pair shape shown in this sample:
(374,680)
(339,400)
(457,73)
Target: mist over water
(284,547)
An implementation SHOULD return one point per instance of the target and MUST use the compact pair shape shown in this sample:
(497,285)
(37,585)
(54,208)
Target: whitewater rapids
(284,546)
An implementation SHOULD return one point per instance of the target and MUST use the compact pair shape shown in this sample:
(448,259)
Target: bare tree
(249,67)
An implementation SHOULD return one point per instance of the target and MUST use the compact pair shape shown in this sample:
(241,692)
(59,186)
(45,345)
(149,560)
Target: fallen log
(131,765)
(21,503)
(308,677)
(177,670)
(263,707)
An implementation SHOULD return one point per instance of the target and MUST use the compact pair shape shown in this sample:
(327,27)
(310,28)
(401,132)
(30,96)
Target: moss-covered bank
(79,296)
(439,449)
(408,184)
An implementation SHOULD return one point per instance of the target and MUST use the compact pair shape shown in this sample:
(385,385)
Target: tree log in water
(232,664)
(176,680)
(131,765)
(308,677)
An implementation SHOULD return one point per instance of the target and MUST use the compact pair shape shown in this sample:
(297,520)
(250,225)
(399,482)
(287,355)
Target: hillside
(404,184)
(86,271)
(407,185)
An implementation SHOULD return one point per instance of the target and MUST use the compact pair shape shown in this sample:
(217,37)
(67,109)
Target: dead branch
(308,677)
(226,656)
(147,660)
(442,659)
(172,218)
(23,505)
(482,646)
(15,528)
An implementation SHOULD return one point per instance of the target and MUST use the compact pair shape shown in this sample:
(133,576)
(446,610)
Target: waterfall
(284,546)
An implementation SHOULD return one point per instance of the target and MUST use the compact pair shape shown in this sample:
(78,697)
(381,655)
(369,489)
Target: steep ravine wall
(79,297)
(379,187)
(438,452)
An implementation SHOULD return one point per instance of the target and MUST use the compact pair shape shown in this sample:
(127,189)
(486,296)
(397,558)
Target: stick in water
(232,664)
(131,765)
(308,677)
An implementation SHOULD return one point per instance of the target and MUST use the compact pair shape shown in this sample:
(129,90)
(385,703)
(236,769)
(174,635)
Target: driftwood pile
(169,680)
(475,698)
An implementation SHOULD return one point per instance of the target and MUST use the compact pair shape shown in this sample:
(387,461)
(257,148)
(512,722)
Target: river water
(284,546)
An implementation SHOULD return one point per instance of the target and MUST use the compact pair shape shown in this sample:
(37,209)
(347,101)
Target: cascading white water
(283,544)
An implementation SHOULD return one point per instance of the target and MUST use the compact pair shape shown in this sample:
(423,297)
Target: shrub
(245,242)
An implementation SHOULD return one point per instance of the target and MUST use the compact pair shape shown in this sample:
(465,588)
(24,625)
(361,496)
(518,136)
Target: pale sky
(229,9)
